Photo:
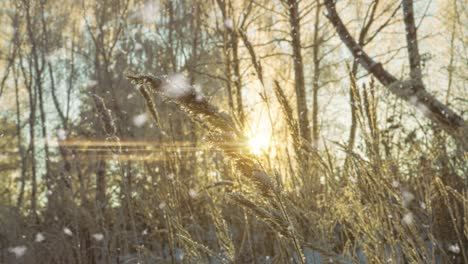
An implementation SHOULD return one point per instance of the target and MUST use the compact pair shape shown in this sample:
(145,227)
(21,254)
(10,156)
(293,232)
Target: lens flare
(258,143)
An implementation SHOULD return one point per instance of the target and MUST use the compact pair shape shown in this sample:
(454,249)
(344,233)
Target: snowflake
(198,93)
(423,205)
(193,193)
(407,197)
(61,134)
(213,174)
(39,237)
(140,119)
(138,46)
(98,236)
(322,180)
(423,109)
(408,218)
(298,190)
(228,23)
(454,248)
(149,12)
(67,231)
(18,251)
(177,86)
(251,32)
(170,176)
(91,83)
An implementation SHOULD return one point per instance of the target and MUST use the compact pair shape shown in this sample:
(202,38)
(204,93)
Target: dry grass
(388,205)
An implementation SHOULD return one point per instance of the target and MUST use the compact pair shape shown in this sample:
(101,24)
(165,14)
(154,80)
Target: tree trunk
(299,84)
(316,77)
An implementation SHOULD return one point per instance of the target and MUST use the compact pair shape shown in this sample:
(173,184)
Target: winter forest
(233,131)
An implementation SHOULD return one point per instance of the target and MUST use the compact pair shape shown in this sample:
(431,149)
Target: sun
(258,143)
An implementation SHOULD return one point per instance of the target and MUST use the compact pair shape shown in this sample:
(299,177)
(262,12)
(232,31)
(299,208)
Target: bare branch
(412,40)
(412,91)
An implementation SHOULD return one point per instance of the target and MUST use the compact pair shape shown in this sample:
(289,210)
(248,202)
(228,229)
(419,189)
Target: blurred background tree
(305,158)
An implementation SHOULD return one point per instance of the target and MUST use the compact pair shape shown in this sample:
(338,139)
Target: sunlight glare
(258,143)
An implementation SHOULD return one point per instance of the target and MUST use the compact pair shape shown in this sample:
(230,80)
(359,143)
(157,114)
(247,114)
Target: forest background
(233,131)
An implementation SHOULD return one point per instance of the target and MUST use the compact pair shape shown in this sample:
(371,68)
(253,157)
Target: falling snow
(170,176)
(177,86)
(19,251)
(454,248)
(407,198)
(422,205)
(193,194)
(91,83)
(39,237)
(408,218)
(198,93)
(140,120)
(67,231)
(63,144)
(322,180)
(138,46)
(148,12)
(98,236)
(61,134)
(228,23)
